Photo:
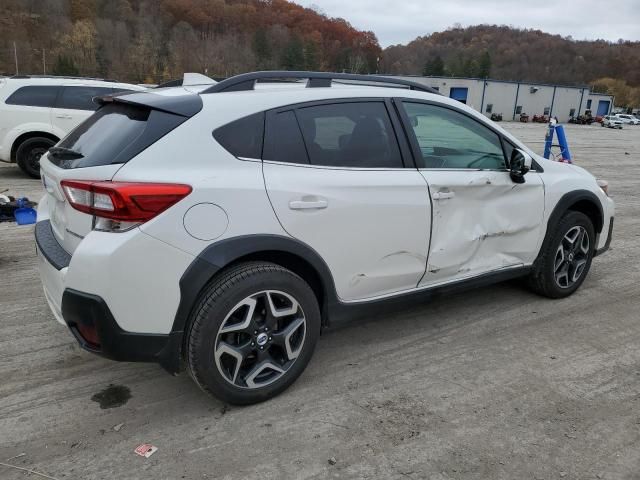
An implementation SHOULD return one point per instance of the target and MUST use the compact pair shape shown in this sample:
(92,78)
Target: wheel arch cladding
(582,201)
(218,257)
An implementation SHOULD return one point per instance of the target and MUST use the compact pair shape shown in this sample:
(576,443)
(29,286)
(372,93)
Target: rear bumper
(105,289)
(91,311)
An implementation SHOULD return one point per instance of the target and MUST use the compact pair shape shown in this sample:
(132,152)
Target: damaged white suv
(222,229)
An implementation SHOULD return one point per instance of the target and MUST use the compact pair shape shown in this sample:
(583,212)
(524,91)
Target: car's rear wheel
(29,153)
(565,258)
(253,333)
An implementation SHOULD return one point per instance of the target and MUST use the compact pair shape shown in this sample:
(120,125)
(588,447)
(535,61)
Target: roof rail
(64,77)
(247,81)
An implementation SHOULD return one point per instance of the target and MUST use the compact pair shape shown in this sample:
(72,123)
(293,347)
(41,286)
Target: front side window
(357,134)
(450,139)
(34,96)
(81,98)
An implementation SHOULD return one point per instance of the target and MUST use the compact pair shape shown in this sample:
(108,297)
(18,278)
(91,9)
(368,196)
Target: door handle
(311,204)
(443,195)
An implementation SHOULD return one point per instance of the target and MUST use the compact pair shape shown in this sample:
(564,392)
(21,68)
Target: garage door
(459,93)
(603,107)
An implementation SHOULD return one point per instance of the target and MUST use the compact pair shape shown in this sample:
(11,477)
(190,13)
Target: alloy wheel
(260,339)
(571,257)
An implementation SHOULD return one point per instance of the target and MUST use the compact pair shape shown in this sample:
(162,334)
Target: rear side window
(243,137)
(284,140)
(357,134)
(81,98)
(114,134)
(34,96)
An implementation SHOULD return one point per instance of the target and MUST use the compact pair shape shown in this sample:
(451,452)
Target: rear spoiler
(186,105)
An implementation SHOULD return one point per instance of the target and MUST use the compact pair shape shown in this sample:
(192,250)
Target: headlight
(604,185)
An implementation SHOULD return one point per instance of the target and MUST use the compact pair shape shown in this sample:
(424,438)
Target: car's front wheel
(253,333)
(565,258)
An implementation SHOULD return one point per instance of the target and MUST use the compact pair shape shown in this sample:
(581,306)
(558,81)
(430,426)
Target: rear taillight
(122,204)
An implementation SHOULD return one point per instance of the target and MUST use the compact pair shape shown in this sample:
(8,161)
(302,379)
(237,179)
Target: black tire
(29,152)
(222,298)
(543,278)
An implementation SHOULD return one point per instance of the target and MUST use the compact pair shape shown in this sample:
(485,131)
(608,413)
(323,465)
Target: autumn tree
(484,65)
(64,66)
(434,67)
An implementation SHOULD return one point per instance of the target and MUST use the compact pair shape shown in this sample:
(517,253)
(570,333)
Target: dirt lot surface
(495,383)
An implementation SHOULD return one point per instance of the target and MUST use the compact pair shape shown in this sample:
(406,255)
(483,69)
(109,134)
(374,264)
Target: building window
(489,108)
(572,112)
(546,110)
(588,104)
(518,109)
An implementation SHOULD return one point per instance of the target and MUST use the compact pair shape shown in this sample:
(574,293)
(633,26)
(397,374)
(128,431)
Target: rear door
(74,105)
(335,175)
(482,220)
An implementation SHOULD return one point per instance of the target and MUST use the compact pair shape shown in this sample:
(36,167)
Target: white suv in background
(611,121)
(36,112)
(223,229)
(627,119)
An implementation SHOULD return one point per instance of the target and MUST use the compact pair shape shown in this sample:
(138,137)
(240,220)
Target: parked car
(36,112)
(627,119)
(222,230)
(611,121)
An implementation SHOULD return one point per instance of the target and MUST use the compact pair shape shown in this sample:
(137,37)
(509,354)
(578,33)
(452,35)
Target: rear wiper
(65,153)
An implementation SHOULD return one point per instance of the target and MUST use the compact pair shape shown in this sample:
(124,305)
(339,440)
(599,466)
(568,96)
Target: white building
(513,98)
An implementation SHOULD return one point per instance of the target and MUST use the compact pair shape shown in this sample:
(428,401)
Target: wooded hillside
(155,40)
(515,54)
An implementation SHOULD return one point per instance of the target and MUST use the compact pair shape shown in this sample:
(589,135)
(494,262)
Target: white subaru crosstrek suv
(223,229)
(37,111)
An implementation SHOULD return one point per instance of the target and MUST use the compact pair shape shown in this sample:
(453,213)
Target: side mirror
(519,165)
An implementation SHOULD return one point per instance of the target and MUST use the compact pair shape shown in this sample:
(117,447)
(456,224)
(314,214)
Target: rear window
(243,137)
(350,135)
(34,96)
(81,98)
(114,134)
(284,141)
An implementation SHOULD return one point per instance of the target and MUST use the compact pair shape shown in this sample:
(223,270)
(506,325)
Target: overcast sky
(400,21)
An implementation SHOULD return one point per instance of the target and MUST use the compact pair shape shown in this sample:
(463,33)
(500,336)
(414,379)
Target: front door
(482,220)
(336,179)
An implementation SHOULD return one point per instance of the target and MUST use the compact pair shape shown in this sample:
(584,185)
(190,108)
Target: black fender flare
(219,255)
(565,203)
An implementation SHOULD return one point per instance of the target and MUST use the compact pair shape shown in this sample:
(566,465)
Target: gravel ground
(492,383)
